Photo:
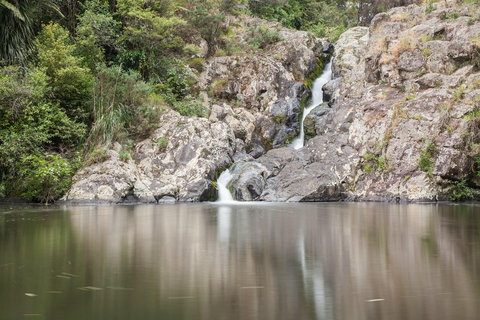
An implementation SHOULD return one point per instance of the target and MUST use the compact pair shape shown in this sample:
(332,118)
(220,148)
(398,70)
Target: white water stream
(224,195)
(317,99)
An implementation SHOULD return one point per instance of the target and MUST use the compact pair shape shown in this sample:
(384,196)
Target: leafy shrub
(46,177)
(190,106)
(428,155)
(460,191)
(124,156)
(260,36)
(192,49)
(69,82)
(431,7)
(96,156)
(30,124)
(150,32)
(97,34)
(197,64)
(210,24)
(374,162)
(162,143)
(232,46)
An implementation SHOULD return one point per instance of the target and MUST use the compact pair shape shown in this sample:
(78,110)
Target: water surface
(265,261)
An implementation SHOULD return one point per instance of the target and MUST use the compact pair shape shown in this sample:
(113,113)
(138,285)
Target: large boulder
(177,163)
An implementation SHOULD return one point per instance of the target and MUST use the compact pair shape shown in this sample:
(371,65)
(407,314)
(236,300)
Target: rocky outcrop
(400,122)
(177,163)
(264,89)
(401,119)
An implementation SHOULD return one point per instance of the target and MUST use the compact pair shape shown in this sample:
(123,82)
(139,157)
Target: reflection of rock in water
(305,261)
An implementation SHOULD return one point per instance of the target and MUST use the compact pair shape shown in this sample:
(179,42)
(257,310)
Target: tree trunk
(112,5)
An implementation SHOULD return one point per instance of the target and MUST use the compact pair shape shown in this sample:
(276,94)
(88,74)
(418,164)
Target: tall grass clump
(123,106)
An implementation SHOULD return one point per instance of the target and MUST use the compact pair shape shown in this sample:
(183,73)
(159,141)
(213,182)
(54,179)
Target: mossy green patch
(317,71)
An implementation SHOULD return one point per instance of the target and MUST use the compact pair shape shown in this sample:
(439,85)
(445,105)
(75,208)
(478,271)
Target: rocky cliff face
(402,119)
(401,122)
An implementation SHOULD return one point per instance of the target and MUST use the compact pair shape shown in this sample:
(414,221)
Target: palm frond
(12,8)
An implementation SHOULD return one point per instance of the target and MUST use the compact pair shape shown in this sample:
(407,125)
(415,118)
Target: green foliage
(461,191)
(280,118)
(97,34)
(209,21)
(162,143)
(428,155)
(24,106)
(46,178)
(17,28)
(317,71)
(190,106)
(192,50)
(431,7)
(124,155)
(473,114)
(375,162)
(261,36)
(69,82)
(322,18)
(232,6)
(197,64)
(447,15)
(16,32)
(382,163)
(150,32)
(232,46)
(96,156)
(457,96)
(31,124)
(123,105)
(217,87)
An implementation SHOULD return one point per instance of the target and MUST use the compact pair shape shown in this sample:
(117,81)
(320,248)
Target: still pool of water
(256,261)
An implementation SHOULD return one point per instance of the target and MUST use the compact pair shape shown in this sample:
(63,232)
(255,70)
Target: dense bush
(97,34)
(70,84)
(31,128)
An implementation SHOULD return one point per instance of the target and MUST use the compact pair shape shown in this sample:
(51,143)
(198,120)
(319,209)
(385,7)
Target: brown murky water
(257,261)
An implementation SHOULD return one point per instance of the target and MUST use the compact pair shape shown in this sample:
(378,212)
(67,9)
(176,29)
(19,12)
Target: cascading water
(317,99)
(224,195)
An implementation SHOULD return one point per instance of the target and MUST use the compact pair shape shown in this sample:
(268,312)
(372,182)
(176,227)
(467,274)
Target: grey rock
(331,90)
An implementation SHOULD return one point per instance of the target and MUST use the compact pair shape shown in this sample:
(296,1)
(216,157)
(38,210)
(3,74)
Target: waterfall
(224,195)
(317,99)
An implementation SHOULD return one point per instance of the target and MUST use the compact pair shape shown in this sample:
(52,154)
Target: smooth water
(317,99)
(224,195)
(304,261)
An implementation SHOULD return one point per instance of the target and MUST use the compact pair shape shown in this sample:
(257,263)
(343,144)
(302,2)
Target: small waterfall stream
(317,99)
(224,195)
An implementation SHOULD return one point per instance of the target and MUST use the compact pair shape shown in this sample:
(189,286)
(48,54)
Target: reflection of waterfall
(314,283)
(317,99)
(224,223)
(224,195)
